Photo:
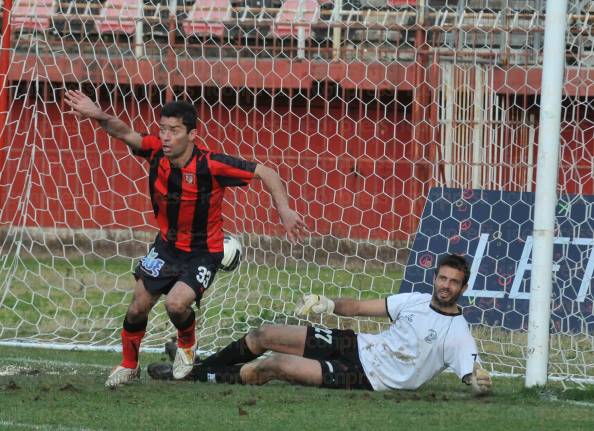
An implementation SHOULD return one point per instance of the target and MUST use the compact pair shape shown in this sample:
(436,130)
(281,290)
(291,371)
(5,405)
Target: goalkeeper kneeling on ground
(428,334)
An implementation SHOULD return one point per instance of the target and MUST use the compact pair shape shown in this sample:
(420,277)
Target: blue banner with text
(494,230)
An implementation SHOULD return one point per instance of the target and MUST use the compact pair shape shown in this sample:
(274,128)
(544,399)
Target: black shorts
(338,353)
(164,265)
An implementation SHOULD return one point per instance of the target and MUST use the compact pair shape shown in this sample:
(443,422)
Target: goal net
(386,119)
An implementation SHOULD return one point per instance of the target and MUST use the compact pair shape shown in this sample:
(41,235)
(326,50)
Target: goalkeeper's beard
(445,303)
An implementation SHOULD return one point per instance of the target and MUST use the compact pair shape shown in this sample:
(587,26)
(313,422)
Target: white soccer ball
(231,254)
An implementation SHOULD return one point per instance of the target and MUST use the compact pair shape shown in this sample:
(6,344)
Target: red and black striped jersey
(187,201)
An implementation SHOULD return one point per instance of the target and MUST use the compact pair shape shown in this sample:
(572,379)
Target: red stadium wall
(348,175)
(340,175)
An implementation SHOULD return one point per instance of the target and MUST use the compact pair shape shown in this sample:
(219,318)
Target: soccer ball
(231,254)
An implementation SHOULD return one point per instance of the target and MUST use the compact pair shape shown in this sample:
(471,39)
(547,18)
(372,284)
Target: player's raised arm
(292,222)
(83,107)
(341,306)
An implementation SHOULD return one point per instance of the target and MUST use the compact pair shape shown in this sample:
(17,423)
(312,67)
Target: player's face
(177,141)
(447,286)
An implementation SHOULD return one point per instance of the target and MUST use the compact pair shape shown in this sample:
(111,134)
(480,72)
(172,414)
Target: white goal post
(537,353)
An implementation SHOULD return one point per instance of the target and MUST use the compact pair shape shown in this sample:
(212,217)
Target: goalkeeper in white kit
(428,334)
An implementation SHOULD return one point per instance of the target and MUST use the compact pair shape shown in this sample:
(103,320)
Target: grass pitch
(63,390)
(84,301)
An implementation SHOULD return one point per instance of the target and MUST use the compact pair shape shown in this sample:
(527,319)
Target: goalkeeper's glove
(480,380)
(314,304)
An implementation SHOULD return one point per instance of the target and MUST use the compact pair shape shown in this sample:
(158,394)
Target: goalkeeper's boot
(184,361)
(160,371)
(121,376)
(164,371)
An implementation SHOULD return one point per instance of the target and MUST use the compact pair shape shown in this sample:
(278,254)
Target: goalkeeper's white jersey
(420,343)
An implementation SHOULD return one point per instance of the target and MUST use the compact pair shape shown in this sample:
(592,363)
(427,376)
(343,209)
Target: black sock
(134,327)
(235,353)
(216,374)
(180,325)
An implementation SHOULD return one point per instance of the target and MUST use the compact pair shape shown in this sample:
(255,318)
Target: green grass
(64,390)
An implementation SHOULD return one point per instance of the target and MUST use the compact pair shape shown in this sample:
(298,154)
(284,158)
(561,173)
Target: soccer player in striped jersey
(428,334)
(186,184)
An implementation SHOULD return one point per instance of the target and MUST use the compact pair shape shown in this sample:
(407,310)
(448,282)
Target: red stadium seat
(118,16)
(402,2)
(33,15)
(294,14)
(207,18)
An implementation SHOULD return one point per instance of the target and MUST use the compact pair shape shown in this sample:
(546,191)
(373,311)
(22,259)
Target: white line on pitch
(13,359)
(578,403)
(43,427)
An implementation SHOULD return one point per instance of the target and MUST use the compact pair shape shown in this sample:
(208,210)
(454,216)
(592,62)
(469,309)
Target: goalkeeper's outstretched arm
(342,306)
(354,307)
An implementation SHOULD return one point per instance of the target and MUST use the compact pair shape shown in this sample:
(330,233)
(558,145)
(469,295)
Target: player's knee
(253,338)
(251,375)
(137,311)
(258,338)
(175,306)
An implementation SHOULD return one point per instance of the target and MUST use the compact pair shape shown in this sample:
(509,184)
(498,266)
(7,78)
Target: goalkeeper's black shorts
(165,265)
(338,353)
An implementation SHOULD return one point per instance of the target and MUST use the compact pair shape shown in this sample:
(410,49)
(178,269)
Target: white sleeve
(395,304)
(460,350)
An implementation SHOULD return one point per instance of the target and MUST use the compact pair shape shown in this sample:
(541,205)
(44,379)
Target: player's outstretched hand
(480,380)
(82,105)
(314,304)
(294,225)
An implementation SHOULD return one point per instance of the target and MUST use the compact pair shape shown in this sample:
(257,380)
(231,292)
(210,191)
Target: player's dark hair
(456,262)
(183,110)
